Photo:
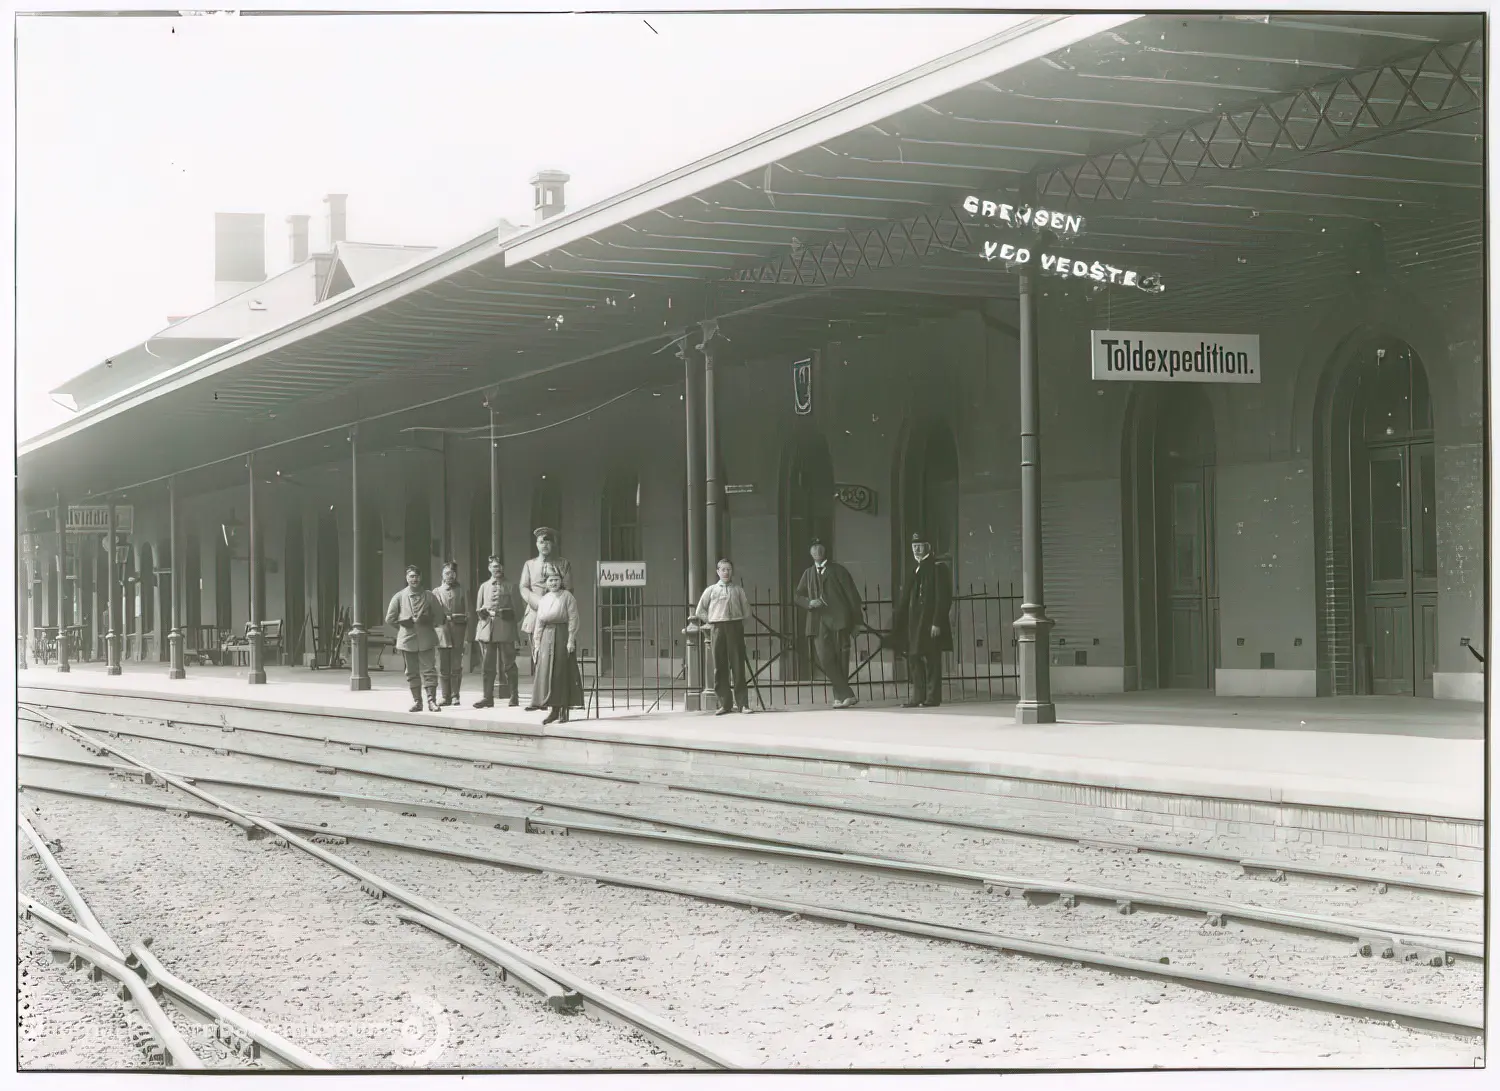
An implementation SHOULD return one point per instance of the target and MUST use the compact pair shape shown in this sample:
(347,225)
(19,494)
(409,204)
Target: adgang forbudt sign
(1175,357)
(622,573)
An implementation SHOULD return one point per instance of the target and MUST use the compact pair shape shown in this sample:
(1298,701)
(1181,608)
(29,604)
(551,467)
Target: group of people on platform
(920,629)
(432,627)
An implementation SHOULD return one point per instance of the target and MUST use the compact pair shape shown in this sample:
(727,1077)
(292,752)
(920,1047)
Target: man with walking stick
(834,610)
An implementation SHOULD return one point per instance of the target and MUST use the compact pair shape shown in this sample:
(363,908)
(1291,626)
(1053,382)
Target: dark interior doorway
(327,590)
(806,513)
(1171,565)
(294,591)
(926,496)
(1394,518)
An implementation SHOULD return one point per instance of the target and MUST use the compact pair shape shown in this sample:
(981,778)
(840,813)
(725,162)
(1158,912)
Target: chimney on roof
(298,225)
(338,205)
(547,185)
(239,252)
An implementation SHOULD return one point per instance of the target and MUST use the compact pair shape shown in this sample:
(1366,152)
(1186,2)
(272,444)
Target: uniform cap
(545,532)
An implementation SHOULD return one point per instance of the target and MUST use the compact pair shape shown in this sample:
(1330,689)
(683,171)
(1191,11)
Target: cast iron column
(178,667)
(489,403)
(62,587)
(257,675)
(693,636)
(1033,626)
(713,492)
(359,639)
(112,578)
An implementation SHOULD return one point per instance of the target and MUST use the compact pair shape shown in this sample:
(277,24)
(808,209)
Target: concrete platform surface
(1418,757)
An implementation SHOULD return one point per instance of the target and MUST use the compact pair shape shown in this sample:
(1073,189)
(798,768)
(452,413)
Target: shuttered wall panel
(1083,569)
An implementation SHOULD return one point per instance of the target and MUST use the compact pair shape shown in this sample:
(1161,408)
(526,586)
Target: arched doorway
(926,495)
(806,513)
(480,546)
(623,650)
(223,585)
(294,590)
(164,619)
(546,511)
(417,536)
(145,608)
(192,574)
(373,593)
(1377,616)
(1171,569)
(327,586)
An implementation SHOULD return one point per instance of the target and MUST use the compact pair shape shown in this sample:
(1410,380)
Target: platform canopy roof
(1241,157)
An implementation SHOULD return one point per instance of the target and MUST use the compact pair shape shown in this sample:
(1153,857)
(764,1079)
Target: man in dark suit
(834,610)
(920,629)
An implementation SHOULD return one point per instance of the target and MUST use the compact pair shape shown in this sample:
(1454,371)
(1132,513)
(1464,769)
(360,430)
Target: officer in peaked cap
(533,584)
(920,629)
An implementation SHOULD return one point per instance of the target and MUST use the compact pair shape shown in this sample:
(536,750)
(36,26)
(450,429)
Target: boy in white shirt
(725,607)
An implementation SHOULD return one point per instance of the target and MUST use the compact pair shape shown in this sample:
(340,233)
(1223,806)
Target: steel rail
(536,801)
(190,997)
(177,1053)
(1251,865)
(511,960)
(673,1039)
(85,916)
(1441,1019)
(1126,899)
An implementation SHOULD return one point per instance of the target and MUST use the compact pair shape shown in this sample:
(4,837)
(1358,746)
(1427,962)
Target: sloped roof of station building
(1047,94)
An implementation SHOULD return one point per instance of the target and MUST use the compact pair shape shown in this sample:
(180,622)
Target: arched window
(1377,519)
(546,509)
(927,488)
(620,607)
(418,536)
(806,513)
(373,593)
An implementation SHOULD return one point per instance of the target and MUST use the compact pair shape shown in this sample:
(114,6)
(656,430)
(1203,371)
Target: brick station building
(815,307)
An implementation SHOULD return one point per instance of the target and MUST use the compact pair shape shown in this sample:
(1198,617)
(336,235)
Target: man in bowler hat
(834,609)
(920,629)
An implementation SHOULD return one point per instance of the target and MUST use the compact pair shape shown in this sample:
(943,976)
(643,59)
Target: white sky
(133,132)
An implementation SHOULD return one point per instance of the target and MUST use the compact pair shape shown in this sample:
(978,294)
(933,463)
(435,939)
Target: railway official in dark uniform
(834,610)
(415,614)
(496,634)
(452,634)
(920,629)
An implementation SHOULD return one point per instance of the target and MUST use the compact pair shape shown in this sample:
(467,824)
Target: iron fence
(638,660)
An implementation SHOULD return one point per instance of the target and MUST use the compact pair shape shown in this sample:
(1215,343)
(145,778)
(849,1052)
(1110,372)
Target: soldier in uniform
(496,634)
(834,610)
(920,629)
(415,614)
(533,584)
(451,634)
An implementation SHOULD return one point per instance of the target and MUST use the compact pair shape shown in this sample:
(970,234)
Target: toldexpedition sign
(622,573)
(1135,356)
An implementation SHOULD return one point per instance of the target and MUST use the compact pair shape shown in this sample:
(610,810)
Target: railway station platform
(1379,773)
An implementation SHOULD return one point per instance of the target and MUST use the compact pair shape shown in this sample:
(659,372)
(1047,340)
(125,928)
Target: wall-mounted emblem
(802,386)
(855,498)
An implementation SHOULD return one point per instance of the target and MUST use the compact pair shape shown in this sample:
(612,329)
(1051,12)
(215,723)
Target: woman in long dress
(556,684)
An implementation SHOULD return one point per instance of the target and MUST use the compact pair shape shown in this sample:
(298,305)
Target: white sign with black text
(622,573)
(1135,356)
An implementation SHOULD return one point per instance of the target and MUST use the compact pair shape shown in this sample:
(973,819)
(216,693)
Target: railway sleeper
(1259,871)
(237,1040)
(548,828)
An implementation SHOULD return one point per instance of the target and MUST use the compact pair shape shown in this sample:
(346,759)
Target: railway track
(561,990)
(147,985)
(1372,936)
(1275,869)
